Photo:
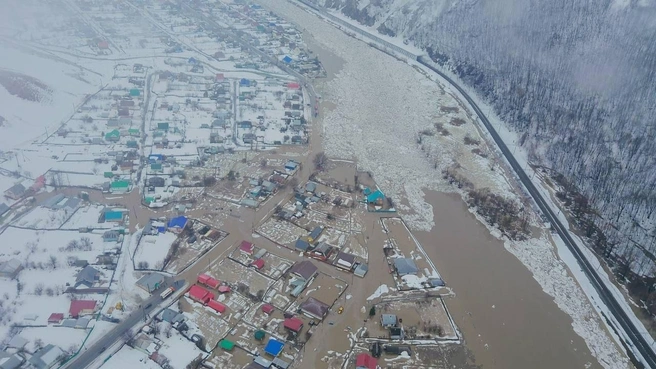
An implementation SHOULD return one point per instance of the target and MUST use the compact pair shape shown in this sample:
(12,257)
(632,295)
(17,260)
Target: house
(156,181)
(17,342)
(255,191)
(3,209)
(287,59)
(55,318)
(291,165)
(103,45)
(113,136)
(47,357)
(163,126)
(258,264)
(314,308)
(200,294)
(397,349)
(293,324)
(388,320)
(267,309)
(344,260)
(375,197)
(226,345)
(9,361)
(311,187)
(208,281)
(246,248)
(365,361)
(322,251)
(15,192)
(216,306)
(405,266)
(88,276)
(171,316)
(304,269)
(314,235)
(273,347)
(112,235)
(302,245)
(268,186)
(119,186)
(293,86)
(151,282)
(177,224)
(10,268)
(81,307)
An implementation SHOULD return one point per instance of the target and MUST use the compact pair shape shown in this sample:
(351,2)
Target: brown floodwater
(507,320)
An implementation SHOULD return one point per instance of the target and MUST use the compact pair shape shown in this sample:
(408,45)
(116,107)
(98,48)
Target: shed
(46,357)
(280,363)
(311,187)
(388,320)
(10,268)
(134,92)
(200,294)
(164,126)
(226,345)
(250,203)
(178,223)
(261,361)
(287,59)
(55,318)
(361,270)
(244,82)
(216,306)
(273,347)
(208,281)
(259,335)
(88,276)
(405,266)
(15,192)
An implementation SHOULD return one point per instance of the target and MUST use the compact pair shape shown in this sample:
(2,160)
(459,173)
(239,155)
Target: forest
(576,80)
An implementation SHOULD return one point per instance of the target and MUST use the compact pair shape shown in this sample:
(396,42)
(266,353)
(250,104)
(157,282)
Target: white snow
(381,290)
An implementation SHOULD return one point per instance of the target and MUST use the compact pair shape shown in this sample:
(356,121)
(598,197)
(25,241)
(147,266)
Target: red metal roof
(293,85)
(208,281)
(199,293)
(79,305)
(224,289)
(365,360)
(267,308)
(259,263)
(55,317)
(217,306)
(246,247)
(203,278)
(293,324)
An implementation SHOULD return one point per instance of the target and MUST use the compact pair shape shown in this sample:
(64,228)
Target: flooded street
(507,320)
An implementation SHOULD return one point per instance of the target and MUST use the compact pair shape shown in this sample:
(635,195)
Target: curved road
(637,340)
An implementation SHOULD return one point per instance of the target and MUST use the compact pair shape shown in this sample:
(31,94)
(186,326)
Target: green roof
(163,125)
(134,92)
(108,174)
(227,345)
(156,166)
(114,133)
(133,131)
(149,199)
(259,334)
(120,184)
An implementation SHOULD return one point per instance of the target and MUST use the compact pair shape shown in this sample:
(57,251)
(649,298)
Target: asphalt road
(636,339)
(97,350)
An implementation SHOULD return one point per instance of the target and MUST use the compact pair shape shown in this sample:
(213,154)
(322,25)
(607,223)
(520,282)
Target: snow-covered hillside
(575,80)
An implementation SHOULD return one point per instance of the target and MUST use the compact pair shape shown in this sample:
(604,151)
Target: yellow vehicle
(340,310)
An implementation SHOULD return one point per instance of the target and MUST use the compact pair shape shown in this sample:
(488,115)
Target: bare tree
(320,160)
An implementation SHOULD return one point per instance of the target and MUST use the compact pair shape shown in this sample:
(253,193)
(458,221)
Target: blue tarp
(375,196)
(152,158)
(287,59)
(178,222)
(245,82)
(273,347)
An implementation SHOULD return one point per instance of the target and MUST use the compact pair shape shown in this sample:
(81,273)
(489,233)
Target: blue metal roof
(287,59)
(178,222)
(273,347)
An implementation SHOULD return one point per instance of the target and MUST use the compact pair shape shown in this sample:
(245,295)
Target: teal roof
(375,196)
(113,215)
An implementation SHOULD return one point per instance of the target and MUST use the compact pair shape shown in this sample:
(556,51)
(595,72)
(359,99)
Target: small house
(388,320)
(246,247)
(365,361)
(88,276)
(322,251)
(293,324)
(311,187)
(301,245)
(258,264)
(304,269)
(314,235)
(81,307)
(10,268)
(47,357)
(273,347)
(344,261)
(15,192)
(55,318)
(314,308)
(151,282)
(268,309)
(405,266)
(112,235)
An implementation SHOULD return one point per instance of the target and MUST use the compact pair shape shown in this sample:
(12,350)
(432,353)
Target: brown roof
(315,307)
(305,269)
